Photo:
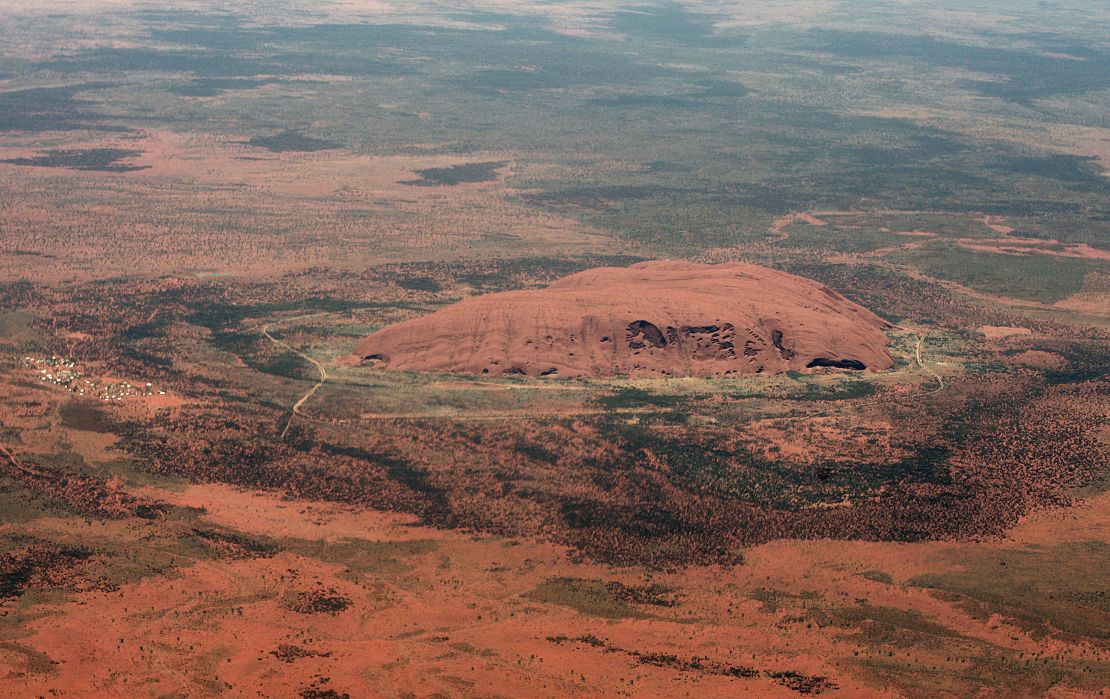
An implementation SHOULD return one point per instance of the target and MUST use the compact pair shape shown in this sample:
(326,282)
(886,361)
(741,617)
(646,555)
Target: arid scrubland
(206,210)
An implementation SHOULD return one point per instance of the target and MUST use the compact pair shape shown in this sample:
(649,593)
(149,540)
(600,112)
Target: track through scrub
(920,363)
(296,409)
(890,398)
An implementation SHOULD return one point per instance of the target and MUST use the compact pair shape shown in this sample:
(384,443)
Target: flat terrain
(204,210)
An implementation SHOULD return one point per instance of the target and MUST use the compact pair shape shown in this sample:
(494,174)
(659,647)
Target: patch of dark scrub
(665,166)
(232,49)
(716,89)
(1075,170)
(671,22)
(84,495)
(292,141)
(520,273)
(235,546)
(19,294)
(288,653)
(599,197)
(213,87)
(722,88)
(319,601)
(92,159)
(652,595)
(457,174)
(1085,362)
(802,684)
(38,564)
(400,470)
(419,284)
(198,62)
(648,101)
(643,533)
(537,451)
(39,109)
(697,664)
(1028,75)
(33,566)
(417,480)
(153,362)
(287,364)
(87,417)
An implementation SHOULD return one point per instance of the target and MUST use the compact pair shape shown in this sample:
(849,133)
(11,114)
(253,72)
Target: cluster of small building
(64,372)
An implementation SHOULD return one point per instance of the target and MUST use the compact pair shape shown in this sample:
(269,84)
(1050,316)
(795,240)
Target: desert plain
(511,349)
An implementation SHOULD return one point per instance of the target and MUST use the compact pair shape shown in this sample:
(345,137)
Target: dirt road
(296,409)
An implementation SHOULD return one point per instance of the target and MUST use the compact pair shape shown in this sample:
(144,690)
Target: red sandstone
(653,318)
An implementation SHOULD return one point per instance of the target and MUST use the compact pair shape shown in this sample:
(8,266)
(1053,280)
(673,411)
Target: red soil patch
(1016,246)
(1094,299)
(461,616)
(1009,244)
(783,221)
(654,318)
(1038,359)
(994,223)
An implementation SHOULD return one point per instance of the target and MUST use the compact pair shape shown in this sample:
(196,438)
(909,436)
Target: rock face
(650,319)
